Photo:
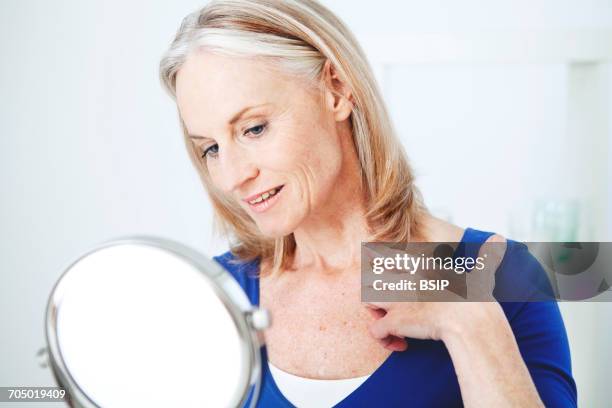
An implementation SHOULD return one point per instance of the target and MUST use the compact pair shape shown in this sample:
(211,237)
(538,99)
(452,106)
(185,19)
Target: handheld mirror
(145,322)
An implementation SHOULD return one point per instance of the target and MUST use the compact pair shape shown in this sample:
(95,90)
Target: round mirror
(149,322)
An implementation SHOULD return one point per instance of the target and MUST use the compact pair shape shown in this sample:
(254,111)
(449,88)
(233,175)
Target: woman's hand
(431,320)
(437,320)
(490,369)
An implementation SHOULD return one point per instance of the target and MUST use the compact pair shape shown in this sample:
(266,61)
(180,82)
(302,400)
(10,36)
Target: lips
(255,196)
(264,202)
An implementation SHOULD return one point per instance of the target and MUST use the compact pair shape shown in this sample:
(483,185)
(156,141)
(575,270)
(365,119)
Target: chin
(275,229)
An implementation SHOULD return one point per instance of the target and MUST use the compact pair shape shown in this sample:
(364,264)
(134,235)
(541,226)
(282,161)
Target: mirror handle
(259,319)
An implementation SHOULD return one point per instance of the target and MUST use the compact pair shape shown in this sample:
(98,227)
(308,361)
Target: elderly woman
(286,126)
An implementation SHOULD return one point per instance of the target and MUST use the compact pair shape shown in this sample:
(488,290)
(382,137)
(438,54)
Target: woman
(285,124)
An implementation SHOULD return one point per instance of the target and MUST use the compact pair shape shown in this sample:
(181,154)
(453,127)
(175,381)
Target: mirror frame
(249,320)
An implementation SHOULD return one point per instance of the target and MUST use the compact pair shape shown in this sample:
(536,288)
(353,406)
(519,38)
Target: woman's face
(268,141)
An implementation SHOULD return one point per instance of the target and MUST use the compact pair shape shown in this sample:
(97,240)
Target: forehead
(216,86)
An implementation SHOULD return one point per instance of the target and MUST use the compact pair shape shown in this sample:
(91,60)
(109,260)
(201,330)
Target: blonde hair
(300,36)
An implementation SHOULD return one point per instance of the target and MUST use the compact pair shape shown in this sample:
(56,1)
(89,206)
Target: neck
(330,244)
(329,241)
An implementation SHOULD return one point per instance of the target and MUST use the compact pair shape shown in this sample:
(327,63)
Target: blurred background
(504,108)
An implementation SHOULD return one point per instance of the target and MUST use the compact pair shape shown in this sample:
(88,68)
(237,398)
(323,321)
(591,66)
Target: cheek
(304,148)
(313,160)
(304,141)
(215,175)
(212,173)
(325,168)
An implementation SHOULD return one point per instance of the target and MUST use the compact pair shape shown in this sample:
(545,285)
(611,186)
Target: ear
(338,96)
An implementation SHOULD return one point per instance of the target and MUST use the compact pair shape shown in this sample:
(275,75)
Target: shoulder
(524,291)
(434,229)
(521,277)
(244,272)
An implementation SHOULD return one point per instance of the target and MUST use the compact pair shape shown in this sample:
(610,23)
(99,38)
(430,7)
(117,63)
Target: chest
(320,330)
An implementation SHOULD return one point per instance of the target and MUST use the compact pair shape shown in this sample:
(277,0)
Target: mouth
(265,200)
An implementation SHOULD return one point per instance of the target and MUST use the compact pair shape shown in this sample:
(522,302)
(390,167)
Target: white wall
(91,148)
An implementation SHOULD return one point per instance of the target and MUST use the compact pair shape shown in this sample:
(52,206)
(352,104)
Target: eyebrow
(234,118)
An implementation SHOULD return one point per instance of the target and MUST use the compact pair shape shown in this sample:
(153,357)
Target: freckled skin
(317,331)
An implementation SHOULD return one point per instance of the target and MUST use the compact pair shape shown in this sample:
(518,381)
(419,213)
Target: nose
(237,168)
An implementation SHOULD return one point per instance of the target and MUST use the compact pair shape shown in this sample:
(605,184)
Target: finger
(394,343)
(383,327)
(378,305)
(481,281)
(376,313)
(492,251)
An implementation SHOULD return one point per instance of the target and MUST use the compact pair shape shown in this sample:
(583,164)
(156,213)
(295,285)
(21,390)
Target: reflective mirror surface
(135,323)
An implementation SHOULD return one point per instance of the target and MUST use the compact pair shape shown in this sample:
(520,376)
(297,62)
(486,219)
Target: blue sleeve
(542,340)
(245,274)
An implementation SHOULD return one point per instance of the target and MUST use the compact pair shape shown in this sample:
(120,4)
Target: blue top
(423,375)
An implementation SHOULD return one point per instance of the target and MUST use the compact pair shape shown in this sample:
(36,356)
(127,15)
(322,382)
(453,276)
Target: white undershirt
(307,392)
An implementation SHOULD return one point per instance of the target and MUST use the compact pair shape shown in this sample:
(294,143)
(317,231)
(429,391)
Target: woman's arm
(504,355)
(487,360)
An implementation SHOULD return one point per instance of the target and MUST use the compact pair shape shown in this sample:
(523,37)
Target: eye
(211,151)
(256,130)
